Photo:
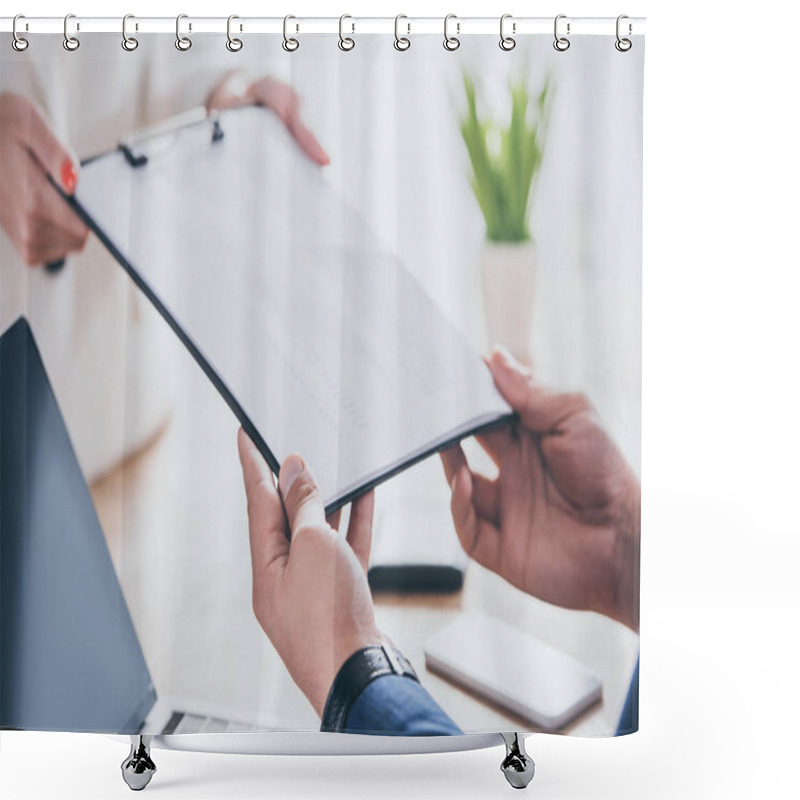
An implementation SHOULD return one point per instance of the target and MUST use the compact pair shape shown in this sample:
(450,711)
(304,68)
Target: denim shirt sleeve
(629,721)
(395,704)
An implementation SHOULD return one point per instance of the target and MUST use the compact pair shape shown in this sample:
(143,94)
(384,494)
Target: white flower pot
(508,278)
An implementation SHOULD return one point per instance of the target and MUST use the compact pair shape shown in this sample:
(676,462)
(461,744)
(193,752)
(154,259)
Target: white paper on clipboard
(319,339)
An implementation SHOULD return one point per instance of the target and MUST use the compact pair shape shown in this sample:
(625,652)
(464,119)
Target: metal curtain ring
(183,43)
(233,44)
(19,43)
(507,42)
(561,43)
(346,43)
(401,42)
(451,42)
(71,43)
(290,44)
(129,43)
(623,45)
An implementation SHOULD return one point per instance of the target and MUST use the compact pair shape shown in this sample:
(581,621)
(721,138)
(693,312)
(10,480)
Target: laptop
(70,658)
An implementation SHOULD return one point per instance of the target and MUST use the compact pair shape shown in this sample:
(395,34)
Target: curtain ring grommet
(183,43)
(623,44)
(19,43)
(561,43)
(346,43)
(71,43)
(401,43)
(290,44)
(451,42)
(507,42)
(129,43)
(233,44)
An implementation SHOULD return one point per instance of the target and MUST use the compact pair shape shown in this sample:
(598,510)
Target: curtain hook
(451,42)
(623,45)
(183,43)
(19,43)
(401,42)
(129,43)
(71,43)
(561,43)
(290,44)
(507,42)
(233,44)
(346,43)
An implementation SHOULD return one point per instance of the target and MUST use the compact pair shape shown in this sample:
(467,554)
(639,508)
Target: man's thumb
(301,497)
(539,410)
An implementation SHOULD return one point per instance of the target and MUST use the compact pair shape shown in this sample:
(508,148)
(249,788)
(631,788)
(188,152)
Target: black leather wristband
(363,667)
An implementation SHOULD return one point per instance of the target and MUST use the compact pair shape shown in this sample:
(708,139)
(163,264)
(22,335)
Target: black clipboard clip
(131,147)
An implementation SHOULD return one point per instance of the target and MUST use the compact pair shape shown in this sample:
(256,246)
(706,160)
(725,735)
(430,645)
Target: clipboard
(318,339)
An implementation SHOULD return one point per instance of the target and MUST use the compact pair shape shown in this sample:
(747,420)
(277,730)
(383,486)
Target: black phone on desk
(415,550)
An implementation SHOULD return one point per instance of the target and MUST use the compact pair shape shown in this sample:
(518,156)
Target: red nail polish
(68,176)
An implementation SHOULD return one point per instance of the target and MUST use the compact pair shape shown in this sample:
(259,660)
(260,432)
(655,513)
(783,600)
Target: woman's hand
(561,521)
(235,90)
(310,591)
(41,226)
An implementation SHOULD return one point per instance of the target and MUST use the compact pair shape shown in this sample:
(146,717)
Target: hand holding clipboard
(316,336)
(41,227)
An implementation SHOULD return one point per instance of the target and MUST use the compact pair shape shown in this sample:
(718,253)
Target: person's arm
(310,590)
(629,719)
(377,692)
(561,519)
(311,596)
(397,705)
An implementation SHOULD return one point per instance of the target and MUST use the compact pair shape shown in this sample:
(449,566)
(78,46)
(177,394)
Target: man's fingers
(483,492)
(453,459)
(335,518)
(540,410)
(486,497)
(496,443)
(268,542)
(254,468)
(479,537)
(359,529)
(301,497)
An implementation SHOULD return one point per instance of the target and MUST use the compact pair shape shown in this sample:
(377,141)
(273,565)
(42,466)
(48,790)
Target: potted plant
(505,165)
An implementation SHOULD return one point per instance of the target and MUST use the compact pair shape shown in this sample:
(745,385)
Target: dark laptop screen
(69,656)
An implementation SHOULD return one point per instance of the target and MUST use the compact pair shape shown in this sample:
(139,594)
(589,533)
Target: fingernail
(290,469)
(505,357)
(68,176)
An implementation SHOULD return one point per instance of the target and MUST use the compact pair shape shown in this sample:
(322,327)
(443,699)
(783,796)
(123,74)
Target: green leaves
(503,182)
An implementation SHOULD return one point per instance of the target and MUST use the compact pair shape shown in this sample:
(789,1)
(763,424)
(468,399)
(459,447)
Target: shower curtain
(404,279)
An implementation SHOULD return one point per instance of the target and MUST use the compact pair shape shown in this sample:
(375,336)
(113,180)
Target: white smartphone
(513,669)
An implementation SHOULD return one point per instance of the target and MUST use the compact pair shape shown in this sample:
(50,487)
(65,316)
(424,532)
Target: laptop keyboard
(181,722)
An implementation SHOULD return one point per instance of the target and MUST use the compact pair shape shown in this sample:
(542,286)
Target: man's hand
(41,226)
(235,90)
(561,521)
(310,591)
